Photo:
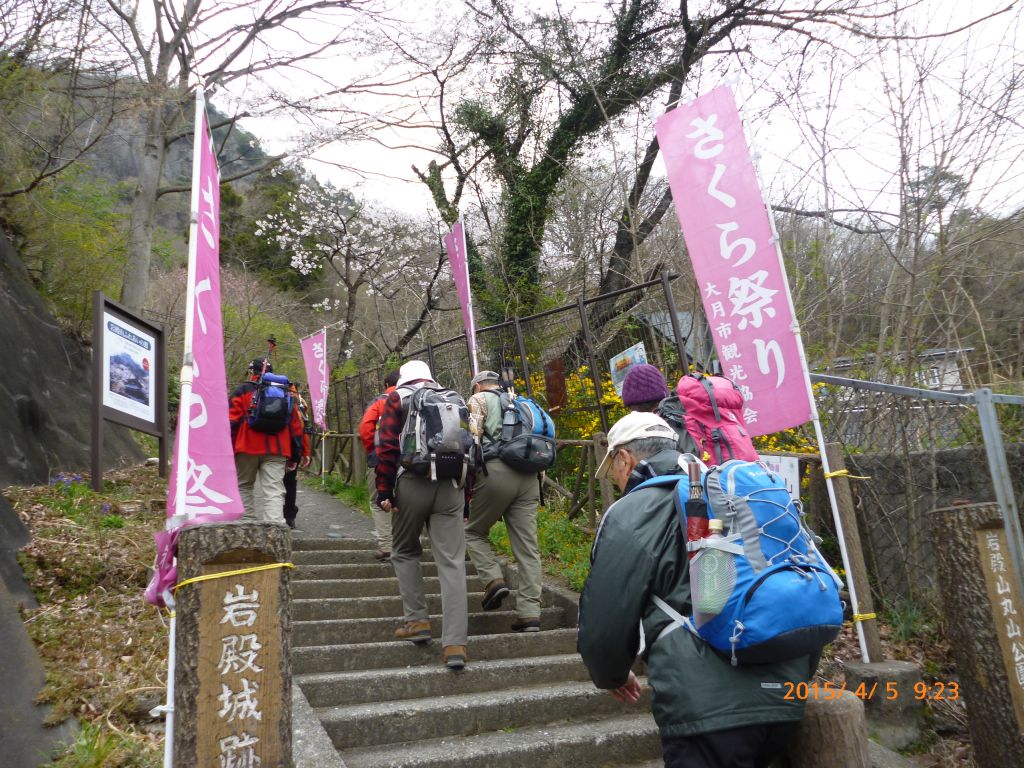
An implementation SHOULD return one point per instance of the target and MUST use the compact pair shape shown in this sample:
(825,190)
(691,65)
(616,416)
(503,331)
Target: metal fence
(919,449)
(559,357)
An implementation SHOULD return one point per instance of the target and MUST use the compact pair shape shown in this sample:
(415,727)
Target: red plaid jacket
(391,421)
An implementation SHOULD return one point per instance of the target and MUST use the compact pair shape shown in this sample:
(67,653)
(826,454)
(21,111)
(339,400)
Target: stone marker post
(985,620)
(832,734)
(233,692)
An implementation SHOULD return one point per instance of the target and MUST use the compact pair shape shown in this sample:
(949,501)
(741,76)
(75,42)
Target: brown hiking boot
(414,631)
(455,656)
(494,594)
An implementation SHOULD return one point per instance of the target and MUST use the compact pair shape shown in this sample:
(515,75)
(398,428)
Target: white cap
(414,370)
(634,426)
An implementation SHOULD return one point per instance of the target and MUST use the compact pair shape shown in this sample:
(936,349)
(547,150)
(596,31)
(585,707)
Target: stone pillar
(832,733)
(985,622)
(232,677)
(892,706)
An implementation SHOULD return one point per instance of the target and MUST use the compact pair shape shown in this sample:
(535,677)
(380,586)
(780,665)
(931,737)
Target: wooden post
(358,460)
(854,551)
(985,628)
(233,680)
(600,449)
(591,471)
(832,733)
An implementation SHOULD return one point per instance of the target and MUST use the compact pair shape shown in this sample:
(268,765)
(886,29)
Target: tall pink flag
(455,243)
(203,486)
(735,259)
(314,355)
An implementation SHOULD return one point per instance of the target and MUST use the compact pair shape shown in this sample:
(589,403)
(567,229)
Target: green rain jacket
(639,551)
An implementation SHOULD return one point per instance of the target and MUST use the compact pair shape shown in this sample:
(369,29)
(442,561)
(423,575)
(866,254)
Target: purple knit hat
(643,384)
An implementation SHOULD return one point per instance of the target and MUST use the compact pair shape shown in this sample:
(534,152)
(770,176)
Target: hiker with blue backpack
(710,577)
(269,437)
(517,440)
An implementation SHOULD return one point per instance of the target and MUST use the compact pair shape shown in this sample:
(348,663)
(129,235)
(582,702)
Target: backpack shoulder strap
(681,486)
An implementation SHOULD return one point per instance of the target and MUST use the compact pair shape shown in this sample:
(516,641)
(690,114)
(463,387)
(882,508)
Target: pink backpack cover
(714,418)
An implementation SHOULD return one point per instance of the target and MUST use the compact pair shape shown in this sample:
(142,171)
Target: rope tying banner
(846,473)
(225,574)
(864,616)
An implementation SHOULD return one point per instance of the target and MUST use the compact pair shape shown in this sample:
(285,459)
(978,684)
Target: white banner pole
(820,437)
(184,414)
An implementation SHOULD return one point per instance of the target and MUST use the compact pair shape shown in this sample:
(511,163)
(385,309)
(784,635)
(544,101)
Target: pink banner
(738,267)
(455,243)
(314,355)
(210,483)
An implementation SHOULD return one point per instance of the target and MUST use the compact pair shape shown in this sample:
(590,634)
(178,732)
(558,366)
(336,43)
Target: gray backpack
(435,440)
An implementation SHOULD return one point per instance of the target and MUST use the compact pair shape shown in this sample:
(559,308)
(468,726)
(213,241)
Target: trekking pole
(508,379)
(271,346)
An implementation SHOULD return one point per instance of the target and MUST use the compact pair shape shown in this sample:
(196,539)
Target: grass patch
(87,566)
(357,496)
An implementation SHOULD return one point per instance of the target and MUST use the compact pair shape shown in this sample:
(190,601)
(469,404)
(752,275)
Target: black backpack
(271,407)
(673,412)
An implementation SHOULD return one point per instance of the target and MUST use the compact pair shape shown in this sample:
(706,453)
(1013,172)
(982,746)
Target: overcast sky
(854,97)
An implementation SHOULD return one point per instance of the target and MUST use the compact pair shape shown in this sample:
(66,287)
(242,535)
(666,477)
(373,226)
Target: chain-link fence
(915,450)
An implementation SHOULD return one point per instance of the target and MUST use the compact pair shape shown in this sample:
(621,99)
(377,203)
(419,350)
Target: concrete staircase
(524,700)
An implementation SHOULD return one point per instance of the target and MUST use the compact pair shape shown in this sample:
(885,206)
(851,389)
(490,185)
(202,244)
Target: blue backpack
(527,441)
(271,407)
(782,600)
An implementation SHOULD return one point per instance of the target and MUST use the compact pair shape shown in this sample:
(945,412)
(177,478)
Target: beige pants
(504,494)
(381,519)
(439,507)
(261,486)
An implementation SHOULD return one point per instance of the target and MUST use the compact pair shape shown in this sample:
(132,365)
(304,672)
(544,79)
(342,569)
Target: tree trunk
(135,283)
(832,733)
(986,672)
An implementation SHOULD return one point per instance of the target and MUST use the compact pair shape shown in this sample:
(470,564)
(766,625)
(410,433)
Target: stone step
(351,571)
(302,543)
(379,606)
(343,556)
(594,742)
(368,570)
(382,629)
(364,656)
(308,589)
(434,680)
(388,722)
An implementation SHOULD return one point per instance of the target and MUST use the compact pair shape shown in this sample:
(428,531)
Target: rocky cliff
(45,389)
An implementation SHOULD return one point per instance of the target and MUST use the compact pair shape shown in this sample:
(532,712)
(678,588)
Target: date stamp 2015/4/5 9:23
(826,691)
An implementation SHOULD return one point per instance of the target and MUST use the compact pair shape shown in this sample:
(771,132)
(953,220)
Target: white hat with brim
(633,426)
(414,370)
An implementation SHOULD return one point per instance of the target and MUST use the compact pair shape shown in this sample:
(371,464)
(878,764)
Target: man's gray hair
(646,447)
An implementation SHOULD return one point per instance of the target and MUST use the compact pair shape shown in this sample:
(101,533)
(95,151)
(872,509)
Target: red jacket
(292,443)
(368,424)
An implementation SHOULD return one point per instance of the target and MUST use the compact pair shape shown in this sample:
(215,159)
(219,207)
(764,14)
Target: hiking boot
(414,631)
(494,593)
(455,657)
(381,556)
(526,625)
